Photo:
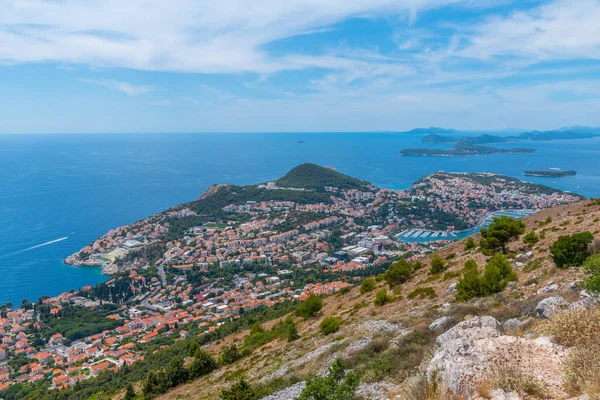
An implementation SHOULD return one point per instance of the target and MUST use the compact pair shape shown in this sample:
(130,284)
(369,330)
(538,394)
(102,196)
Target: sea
(60,192)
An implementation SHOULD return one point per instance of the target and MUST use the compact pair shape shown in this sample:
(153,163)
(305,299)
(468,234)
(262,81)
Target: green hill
(312,176)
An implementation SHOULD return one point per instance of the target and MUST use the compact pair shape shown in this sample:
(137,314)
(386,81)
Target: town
(187,272)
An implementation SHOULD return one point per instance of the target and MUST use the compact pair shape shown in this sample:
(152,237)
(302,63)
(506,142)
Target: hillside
(251,265)
(312,176)
(390,346)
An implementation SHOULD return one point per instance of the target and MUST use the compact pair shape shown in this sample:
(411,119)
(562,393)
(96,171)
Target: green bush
(203,364)
(241,390)
(531,238)
(469,244)
(422,293)
(330,325)
(336,385)
(398,273)
(367,285)
(310,307)
(382,297)
(437,265)
(592,267)
(292,332)
(501,231)
(230,354)
(571,250)
(498,272)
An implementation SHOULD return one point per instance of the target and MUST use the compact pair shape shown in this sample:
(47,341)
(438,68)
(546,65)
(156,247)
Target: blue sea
(60,192)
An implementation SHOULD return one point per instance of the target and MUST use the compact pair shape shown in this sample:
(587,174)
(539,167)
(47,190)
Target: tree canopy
(501,231)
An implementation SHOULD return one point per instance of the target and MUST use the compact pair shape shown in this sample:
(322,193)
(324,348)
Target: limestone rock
(512,324)
(441,323)
(548,289)
(550,306)
(461,354)
(500,394)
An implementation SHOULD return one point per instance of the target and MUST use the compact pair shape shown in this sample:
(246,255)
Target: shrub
(292,332)
(330,325)
(241,390)
(469,244)
(344,290)
(398,273)
(531,238)
(367,285)
(382,297)
(310,307)
(498,272)
(501,231)
(592,268)
(336,385)
(437,265)
(203,364)
(571,250)
(426,292)
(230,354)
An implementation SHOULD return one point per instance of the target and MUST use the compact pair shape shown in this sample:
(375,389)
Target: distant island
(481,139)
(550,174)
(464,149)
(472,145)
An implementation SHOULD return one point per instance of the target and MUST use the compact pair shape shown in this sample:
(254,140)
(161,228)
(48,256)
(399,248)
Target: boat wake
(37,246)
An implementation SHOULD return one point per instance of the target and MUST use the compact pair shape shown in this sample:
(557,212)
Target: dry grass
(580,329)
(422,388)
(582,370)
(508,373)
(576,328)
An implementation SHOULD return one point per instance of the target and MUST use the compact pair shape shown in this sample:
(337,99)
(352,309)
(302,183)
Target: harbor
(427,235)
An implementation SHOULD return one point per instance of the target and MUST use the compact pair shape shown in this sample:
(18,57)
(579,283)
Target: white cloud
(562,29)
(123,87)
(206,36)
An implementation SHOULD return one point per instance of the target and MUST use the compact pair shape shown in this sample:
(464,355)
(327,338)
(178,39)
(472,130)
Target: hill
(561,134)
(430,131)
(482,344)
(312,176)
(226,287)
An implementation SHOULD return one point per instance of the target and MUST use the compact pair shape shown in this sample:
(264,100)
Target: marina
(425,235)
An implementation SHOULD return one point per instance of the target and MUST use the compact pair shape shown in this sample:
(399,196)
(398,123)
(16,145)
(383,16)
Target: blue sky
(297,65)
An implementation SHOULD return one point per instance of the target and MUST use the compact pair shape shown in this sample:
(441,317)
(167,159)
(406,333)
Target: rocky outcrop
(212,190)
(551,306)
(441,323)
(474,349)
(462,356)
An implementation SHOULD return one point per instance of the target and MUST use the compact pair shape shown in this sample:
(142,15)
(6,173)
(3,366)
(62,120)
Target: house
(56,339)
(98,368)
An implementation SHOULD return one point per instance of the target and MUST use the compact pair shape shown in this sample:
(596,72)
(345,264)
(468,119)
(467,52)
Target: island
(464,149)
(550,174)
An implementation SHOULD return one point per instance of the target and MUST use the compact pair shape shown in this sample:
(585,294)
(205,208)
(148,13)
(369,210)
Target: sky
(84,66)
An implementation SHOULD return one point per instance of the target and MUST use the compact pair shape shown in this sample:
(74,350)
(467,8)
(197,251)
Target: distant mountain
(481,139)
(435,138)
(484,139)
(431,131)
(312,176)
(576,132)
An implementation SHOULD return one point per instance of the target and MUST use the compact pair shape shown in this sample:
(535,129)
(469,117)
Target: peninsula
(276,220)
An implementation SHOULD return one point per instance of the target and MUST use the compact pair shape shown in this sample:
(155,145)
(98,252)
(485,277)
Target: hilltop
(312,176)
